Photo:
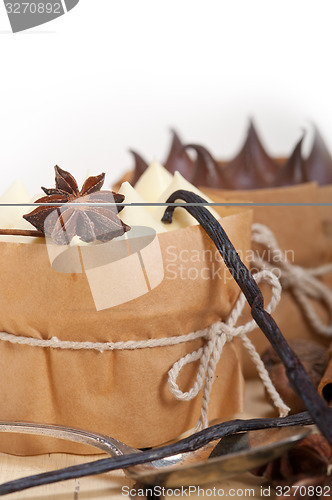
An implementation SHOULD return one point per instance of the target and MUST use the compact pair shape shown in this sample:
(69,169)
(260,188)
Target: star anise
(306,464)
(88,222)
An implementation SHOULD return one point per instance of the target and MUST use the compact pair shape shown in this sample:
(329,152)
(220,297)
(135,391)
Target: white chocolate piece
(181,218)
(153,182)
(76,241)
(16,193)
(137,216)
(21,223)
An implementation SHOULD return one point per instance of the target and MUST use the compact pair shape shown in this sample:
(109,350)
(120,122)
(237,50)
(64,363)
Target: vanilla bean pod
(191,443)
(298,377)
(319,411)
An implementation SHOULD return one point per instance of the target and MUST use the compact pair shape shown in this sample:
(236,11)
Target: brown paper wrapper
(123,394)
(299,232)
(325,196)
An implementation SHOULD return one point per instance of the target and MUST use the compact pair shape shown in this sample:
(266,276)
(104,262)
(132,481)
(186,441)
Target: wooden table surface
(110,485)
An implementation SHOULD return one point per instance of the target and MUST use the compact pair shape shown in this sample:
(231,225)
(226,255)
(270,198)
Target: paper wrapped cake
(100,300)
(291,198)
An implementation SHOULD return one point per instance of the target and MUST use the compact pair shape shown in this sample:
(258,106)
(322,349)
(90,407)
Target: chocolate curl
(318,165)
(292,172)
(178,159)
(252,168)
(207,173)
(140,167)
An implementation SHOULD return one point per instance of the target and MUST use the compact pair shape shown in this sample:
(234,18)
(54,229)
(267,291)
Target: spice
(298,377)
(306,465)
(321,414)
(311,457)
(314,359)
(21,232)
(325,386)
(88,222)
(191,443)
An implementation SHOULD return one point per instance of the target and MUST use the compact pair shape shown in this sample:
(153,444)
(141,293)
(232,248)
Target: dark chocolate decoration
(292,172)
(318,165)
(178,159)
(140,167)
(252,168)
(207,173)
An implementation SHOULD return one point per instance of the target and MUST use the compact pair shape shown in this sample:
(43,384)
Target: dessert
(206,171)
(318,165)
(284,192)
(153,182)
(140,167)
(141,216)
(11,215)
(178,159)
(251,168)
(89,222)
(292,172)
(95,384)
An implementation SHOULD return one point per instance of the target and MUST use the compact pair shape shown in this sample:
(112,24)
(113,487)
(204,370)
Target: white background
(117,74)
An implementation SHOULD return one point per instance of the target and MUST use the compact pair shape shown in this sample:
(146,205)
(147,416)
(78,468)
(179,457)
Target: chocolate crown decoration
(251,168)
(88,222)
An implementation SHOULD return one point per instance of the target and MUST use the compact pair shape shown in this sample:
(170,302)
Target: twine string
(303,283)
(216,336)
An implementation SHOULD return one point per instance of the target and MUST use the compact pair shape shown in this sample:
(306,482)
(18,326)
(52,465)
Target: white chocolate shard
(153,182)
(181,218)
(16,193)
(137,216)
(21,223)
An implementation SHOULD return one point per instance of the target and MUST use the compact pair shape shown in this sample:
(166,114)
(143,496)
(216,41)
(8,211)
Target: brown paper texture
(325,196)
(299,232)
(308,243)
(123,394)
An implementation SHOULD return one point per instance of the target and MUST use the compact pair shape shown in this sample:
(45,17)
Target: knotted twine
(304,286)
(302,283)
(216,337)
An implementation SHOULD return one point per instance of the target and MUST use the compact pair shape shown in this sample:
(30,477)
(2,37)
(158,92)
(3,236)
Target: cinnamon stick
(325,386)
(21,232)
